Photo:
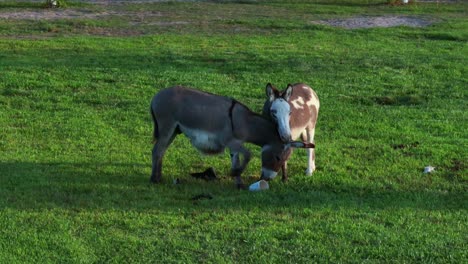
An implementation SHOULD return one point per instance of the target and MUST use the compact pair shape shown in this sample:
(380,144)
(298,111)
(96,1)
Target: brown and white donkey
(212,123)
(294,111)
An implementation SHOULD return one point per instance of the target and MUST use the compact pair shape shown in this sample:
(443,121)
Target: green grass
(75,136)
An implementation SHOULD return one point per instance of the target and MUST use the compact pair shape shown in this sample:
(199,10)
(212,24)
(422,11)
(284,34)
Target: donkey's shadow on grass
(122,186)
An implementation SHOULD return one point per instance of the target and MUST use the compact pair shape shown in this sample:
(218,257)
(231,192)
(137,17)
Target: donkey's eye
(277,158)
(290,112)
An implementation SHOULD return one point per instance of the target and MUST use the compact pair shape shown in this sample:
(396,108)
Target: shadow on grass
(224,62)
(122,186)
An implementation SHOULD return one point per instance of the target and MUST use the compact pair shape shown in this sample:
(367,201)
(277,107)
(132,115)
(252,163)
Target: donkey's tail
(155,129)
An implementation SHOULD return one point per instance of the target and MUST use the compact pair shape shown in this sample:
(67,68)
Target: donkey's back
(191,108)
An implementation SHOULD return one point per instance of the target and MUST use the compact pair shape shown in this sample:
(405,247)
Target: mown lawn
(75,135)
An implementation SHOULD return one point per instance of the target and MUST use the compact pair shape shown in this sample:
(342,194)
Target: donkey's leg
(235,160)
(164,140)
(309,134)
(284,168)
(284,172)
(236,169)
(238,165)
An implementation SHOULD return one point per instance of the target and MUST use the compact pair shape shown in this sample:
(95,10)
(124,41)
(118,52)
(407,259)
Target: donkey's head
(274,156)
(280,109)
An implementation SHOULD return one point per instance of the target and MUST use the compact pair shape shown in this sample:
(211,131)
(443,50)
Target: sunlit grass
(75,138)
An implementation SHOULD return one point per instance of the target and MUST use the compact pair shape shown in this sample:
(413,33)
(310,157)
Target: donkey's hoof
(309,172)
(155,180)
(241,186)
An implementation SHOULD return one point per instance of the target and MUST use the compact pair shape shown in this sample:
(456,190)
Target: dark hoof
(155,180)
(241,186)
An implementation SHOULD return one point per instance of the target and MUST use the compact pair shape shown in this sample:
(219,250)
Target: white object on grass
(429,169)
(259,186)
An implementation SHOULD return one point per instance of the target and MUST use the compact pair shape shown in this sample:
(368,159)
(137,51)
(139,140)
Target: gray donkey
(212,123)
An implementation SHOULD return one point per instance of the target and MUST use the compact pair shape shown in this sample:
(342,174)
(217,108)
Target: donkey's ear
(288,92)
(298,144)
(271,92)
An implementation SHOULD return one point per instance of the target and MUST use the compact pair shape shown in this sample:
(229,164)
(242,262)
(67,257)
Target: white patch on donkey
(298,103)
(202,140)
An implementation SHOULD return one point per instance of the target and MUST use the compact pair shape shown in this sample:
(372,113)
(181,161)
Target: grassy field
(75,134)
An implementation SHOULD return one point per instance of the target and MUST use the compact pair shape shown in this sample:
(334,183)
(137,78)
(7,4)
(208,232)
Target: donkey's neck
(253,128)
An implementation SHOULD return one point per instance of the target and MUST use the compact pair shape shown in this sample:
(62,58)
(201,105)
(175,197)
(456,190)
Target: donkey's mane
(237,102)
(250,111)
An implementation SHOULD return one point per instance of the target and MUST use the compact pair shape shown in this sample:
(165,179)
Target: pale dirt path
(377,21)
(80,13)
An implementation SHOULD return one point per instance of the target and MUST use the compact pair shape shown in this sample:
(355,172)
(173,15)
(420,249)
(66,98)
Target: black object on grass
(208,175)
(202,196)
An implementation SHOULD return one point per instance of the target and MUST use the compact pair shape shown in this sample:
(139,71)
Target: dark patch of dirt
(457,165)
(405,146)
(399,100)
(53,14)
